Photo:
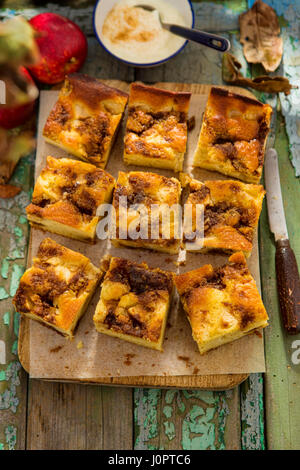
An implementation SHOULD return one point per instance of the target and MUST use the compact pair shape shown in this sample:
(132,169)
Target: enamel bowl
(103,7)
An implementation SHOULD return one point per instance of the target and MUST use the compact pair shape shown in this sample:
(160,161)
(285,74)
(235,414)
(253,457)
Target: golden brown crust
(222,304)
(70,192)
(148,189)
(134,301)
(156,132)
(85,119)
(158,100)
(233,135)
(56,289)
(89,91)
(231,213)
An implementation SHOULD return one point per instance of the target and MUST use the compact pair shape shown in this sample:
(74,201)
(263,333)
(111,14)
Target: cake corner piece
(231,211)
(66,197)
(85,119)
(222,304)
(233,135)
(57,288)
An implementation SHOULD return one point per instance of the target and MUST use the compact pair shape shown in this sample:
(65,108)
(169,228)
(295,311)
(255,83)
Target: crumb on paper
(79,345)
(56,349)
(191,123)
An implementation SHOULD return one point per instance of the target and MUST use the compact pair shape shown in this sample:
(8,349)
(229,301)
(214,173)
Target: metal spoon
(207,39)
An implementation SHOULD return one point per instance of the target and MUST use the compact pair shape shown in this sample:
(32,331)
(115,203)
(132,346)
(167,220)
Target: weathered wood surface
(101,417)
(282,382)
(70,416)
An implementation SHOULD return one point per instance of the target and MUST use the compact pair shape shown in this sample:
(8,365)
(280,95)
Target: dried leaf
(260,36)
(8,190)
(231,74)
(12,148)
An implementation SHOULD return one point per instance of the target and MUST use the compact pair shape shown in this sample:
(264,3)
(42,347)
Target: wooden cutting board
(209,382)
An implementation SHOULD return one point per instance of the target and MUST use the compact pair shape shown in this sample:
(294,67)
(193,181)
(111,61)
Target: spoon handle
(207,39)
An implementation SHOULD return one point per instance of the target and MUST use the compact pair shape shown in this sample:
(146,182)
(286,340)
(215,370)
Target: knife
(287,274)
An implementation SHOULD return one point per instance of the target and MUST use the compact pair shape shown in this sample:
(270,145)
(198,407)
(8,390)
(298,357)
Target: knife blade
(287,274)
(274,196)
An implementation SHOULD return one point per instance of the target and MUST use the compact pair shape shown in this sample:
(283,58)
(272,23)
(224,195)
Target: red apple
(62,44)
(14,114)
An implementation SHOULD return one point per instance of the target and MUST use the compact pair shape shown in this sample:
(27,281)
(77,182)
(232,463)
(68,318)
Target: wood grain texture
(69,416)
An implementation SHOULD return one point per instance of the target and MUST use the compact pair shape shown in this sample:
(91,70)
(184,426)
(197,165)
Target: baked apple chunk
(134,303)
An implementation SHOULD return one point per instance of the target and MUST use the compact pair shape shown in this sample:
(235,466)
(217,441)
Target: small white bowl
(103,7)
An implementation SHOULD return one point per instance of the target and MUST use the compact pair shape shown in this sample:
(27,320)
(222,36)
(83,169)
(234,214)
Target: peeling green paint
(203,417)
(6,318)
(3,294)
(22,219)
(222,413)
(16,323)
(167,411)
(252,413)
(170,394)
(14,348)
(146,416)
(180,403)
(198,430)
(11,437)
(4,268)
(169,430)
(9,399)
(18,232)
(17,272)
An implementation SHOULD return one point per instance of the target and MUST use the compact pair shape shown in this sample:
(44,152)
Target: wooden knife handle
(288,284)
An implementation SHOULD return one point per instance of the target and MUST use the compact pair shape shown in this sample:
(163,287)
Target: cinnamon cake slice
(159,198)
(57,289)
(66,197)
(85,120)
(156,131)
(134,303)
(233,135)
(231,213)
(222,304)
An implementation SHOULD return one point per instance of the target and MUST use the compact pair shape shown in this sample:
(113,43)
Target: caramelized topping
(140,121)
(138,278)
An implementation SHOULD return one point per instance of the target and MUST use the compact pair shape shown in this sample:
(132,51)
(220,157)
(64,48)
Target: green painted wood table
(262,413)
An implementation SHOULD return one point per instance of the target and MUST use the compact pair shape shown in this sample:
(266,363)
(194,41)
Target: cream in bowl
(135,35)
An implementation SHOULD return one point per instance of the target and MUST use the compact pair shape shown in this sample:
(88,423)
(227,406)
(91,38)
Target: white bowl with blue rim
(103,7)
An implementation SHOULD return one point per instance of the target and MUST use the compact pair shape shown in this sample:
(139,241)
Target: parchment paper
(53,356)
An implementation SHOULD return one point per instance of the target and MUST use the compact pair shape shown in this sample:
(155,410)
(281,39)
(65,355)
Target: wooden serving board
(219,381)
